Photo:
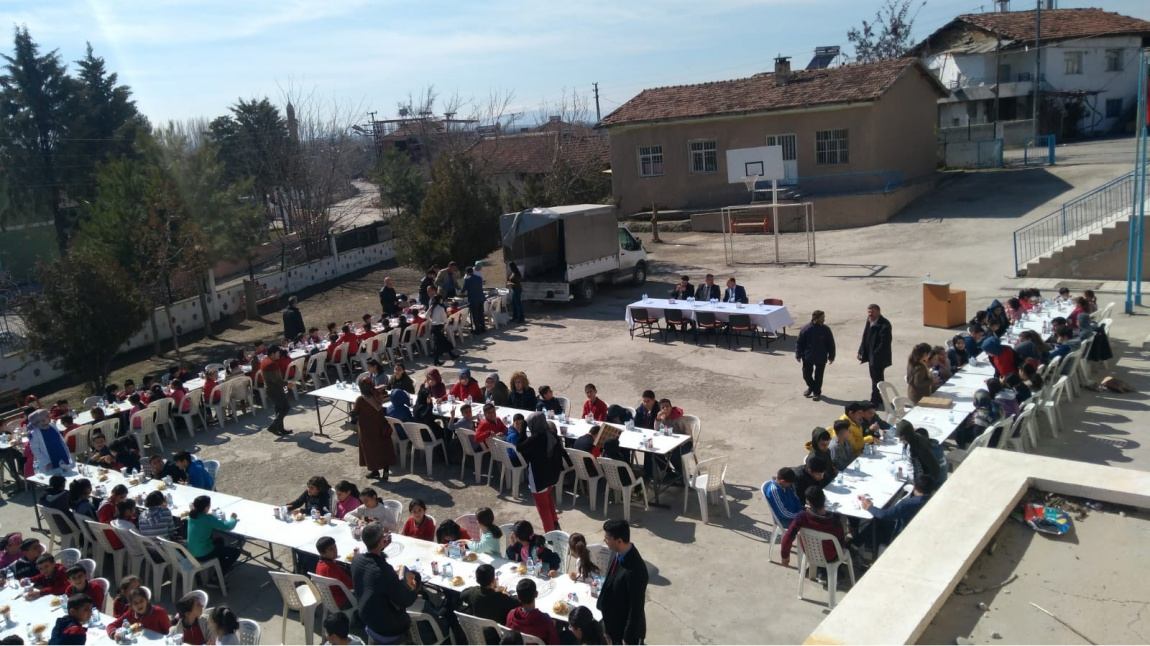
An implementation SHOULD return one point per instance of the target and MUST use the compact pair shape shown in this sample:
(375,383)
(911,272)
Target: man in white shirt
(437,316)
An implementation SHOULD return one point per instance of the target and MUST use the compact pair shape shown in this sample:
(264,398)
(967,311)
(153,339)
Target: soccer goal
(769,233)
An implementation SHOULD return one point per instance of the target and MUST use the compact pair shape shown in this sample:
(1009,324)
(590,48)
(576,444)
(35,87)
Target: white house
(1088,60)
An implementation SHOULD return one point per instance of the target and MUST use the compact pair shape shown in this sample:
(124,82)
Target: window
(650,161)
(627,242)
(704,156)
(831,147)
(1115,61)
(1073,62)
(1004,73)
(1113,108)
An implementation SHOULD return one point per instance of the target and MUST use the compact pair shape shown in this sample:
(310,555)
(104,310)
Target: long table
(25,615)
(336,394)
(875,475)
(256,521)
(767,317)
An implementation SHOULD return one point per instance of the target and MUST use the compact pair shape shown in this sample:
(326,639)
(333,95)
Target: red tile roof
(534,153)
(759,93)
(1057,24)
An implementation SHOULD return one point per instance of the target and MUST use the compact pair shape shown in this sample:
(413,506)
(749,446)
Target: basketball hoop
(750,181)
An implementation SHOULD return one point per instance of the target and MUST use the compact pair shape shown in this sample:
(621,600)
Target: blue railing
(1075,219)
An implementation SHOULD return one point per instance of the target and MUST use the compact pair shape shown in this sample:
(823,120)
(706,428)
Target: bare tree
(888,35)
(320,165)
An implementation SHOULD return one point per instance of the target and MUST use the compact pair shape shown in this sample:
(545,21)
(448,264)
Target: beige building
(860,137)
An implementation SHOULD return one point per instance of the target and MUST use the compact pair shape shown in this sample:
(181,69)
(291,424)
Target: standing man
(383,594)
(515,284)
(815,349)
(875,349)
(388,299)
(734,292)
(427,283)
(447,280)
(473,288)
(708,289)
(293,320)
(437,315)
(624,592)
(274,369)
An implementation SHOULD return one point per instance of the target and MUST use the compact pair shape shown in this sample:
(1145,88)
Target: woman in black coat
(543,450)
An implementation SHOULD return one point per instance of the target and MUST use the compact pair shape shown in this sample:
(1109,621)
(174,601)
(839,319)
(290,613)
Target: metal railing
(1075,219)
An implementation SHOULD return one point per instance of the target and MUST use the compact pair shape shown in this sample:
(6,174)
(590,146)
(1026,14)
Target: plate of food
(561,608)
(470,557)
(457,581)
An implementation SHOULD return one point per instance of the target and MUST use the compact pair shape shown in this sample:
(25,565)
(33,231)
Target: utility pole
(1037,65)
(598,115)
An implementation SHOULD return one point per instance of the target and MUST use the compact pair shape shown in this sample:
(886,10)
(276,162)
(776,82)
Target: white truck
(565,252)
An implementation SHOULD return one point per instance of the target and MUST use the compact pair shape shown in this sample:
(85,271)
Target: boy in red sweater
(527,618)
(330,567)
(52,579)
(78,583)
(815,517)
(595,407)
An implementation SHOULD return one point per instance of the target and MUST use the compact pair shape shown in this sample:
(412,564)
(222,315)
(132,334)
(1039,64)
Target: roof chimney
(782,70)
(1003,5)
(554,119)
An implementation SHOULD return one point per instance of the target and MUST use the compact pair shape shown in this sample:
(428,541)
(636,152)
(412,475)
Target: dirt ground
(710,582)
(1087,578)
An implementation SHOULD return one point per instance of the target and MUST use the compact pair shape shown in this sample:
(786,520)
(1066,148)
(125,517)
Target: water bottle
(448,570)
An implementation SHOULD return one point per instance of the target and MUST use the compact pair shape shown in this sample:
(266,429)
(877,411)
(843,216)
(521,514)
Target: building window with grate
(832,147)
(1073,62)
(704,156)
(1113,108)
(1114,60)
(650,161)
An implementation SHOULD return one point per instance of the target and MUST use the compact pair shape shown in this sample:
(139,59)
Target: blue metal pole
(1134,249)
(1140,167)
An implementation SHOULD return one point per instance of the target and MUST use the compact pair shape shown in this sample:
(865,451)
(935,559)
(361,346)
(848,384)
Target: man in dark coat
(293,320)
(875,349)
(382,594)
(624,593)
(815,349)
(428,281)
(708,289)
(388,299)
(473,287)
(543,450)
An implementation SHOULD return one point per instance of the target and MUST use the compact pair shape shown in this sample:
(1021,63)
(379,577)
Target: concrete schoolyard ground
(710,583)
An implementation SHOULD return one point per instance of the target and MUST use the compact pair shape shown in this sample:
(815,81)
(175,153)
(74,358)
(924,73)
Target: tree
(89,308)
(459,219)
(401,184)
(35,95)
(254,144)
(888,35)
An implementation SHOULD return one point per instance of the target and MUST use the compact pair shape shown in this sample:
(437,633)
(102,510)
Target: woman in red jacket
(466,387)
(142,612)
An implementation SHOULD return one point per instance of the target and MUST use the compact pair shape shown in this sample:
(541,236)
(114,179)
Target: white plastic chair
(323,586)
(298,595)
(186,567)
(601,556)
(475,628)
(102,582)
(401,445)
(424,618)
(889,393)
(1049,407)
(261,388)
(423,339)
(241,396)
(249,632)
(415,434)
(62,529)
(213,468)
(390,349)
(109,426)
(407,342)
(339,363)
(508,530)
(91,402)
(395,511)
(508,472)
(706,478)
(612,470)
(559,541)
(192,409)
(137,556)
(811,542)
(315,370)
(218,403)
(68,557)
(89,566)
(100,532)
(155,564)
(587,471)
(901,405)
(144,429)
(163,408)
(565,404)
(80,436)
(465,438)
(470,524)
(777,526)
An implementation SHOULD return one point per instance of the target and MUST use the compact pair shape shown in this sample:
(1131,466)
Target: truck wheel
(639,276)
(585,290)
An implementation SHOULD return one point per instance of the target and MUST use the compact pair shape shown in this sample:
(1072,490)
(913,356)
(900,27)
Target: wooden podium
(942,306)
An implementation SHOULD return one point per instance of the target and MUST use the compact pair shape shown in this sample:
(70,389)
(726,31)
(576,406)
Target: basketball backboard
(764,162)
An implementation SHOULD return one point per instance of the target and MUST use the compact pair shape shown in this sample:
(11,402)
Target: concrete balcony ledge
(919,571)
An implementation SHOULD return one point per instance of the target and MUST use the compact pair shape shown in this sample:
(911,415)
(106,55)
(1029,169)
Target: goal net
(764,233)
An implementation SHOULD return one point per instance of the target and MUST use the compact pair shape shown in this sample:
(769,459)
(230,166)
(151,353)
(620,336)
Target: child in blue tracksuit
(781,496)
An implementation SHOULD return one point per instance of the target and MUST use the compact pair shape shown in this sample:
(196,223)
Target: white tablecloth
(574,428)
(26,614)
(873,475)
(767,317)
(335,393)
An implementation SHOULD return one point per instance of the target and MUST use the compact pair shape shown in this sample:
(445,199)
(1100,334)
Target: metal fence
(1079,217)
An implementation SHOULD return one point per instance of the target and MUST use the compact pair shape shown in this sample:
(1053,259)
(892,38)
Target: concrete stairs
(1093,253)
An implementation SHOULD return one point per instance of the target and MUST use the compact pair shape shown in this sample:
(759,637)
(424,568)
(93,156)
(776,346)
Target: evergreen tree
(459,219)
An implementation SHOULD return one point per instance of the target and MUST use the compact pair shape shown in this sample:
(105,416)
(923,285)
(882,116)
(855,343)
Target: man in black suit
(875,349)
(389,299)
(734,292)
(708,289)
(683,289)
(624,592)
(293,320)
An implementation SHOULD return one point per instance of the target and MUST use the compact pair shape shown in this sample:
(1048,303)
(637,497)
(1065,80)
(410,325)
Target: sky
(187,59)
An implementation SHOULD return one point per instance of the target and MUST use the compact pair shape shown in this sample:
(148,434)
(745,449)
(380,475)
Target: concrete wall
(973,154)
(1099,256)
(833,212)
(21,370)
(907,109)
